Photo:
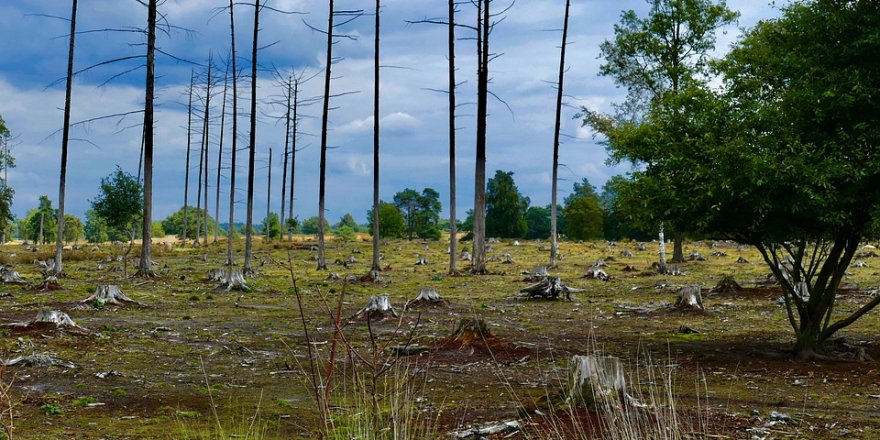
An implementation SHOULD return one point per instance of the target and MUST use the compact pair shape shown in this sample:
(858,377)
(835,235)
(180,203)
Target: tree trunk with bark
(478,266)
(678,247)
(453,229)
(230,234)
(220,156)
(375,264)
(65,137)
(252,149)
(286,156)
(554,245)
(192,82)
(322,263)
(269,198)
(146,263)
(207,144)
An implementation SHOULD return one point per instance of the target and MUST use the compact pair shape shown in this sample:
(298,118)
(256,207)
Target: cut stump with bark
(726,285)
(378,308)
(216,275)
(39,361)
(49,320)
(234,280)
(9,276)
(595,273)
(550,287)
(109,295)
(426,298)
(596,382)
(421,261)
(689,298)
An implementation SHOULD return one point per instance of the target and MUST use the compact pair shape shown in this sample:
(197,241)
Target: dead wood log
(596,382)
(109,294)
(690,298)
(426,298)
(39,361)
(378,308)
(550,287)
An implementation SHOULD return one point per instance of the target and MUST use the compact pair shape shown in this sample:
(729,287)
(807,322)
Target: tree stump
(47,267)
(50,284)
(515,242)
(50,319)
(493,259)
(596,382)
(168,246)
(422,261)
(537,274)
(642,247)
(373,276)
(9,276)
(742,260)
(465,256)
(378,308)
(626,253)
(600,263)
(860,263)
(595,273)
(507,259)
(718,254)
(109,294)
(234,280)
(333,276)
(726,285)
(38,361)
(690,298)
(426,298)
(550,287)
(216,275)
(696,256)
(266,260)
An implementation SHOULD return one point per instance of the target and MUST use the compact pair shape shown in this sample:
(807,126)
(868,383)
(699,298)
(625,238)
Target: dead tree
(453,231)
(554,245)
(375,262)
(269,198)
(65,138)
(220,155)
(478,266)
(325,116)
(234,279)
(252,148)
(188,149)
(146,263)
(207,136)
(288,96)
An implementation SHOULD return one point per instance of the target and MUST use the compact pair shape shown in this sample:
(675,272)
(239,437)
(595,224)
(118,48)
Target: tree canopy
(391,221)
(505,207)
(120,202)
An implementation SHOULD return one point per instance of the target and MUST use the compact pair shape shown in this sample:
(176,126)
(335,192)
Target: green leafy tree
(625,211)
(120,202)
(657,58)
(173,224)
(346,233)
(538,222)
(348,220)
(583,214)
(96,230)
(310,225)
(7,220)
(291,225)
(41,221)
(73,228)
(391,221)
(505,207)
(274,224)
(421,212)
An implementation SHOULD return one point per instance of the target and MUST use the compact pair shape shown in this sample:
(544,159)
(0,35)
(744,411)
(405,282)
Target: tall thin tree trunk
(230,233)
(40,232)
(293,155)
(453,230)
(268,198)
(286,157)
(207,137)
(375,265)
(249,228)
(322,263)
(554,243)
(199,186)
(65,137)
(146,268)
(678,247)
(220,155)
(192,82)
(479,254)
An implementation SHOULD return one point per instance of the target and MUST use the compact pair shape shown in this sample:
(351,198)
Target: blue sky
(414,119)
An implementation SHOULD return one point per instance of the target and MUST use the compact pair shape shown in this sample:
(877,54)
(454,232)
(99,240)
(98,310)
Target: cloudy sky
(413,117)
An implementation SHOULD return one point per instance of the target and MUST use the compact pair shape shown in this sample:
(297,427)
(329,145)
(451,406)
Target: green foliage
(310,225)
(583,214)
(96,230)
(348,220)
(421,212)
(505,207)
(73,228)
(7,219)
(626,216)
(274,224)
(391,221)
(538,222)
(158,230)
(50,409)
(44,215)
(173,224)
(120,203)
(345,233)
(291,225)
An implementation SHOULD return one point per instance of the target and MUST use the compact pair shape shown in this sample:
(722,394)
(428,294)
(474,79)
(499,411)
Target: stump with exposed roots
(49,320)
(46,267)
(426,298)
(373,276)
(378,308)
(595,273)
(421,261)
(551,288)
(9,276)
(726,285)
(216,275)
(234,280)
(109,295)
(39,361)
(537,274)
(596,382)
(690,298)
(465,256)
(50,284)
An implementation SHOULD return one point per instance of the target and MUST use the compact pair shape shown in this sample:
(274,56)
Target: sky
(413,114)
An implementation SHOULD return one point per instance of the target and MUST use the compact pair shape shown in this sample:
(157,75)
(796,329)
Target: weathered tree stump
(742,260)
(642,247)
(333,276)
(537,274)
(629,268)
(507,259)
(373,276)
(718,254)
(234,280)
(50,319)
(493,240)
(109,294)
(378,308)
(216,275)
(859,263)
(50,284)
(493,259)
(550,287)
(168,246)
(38,361)
(696,256)
(47,267)
(426,298)
(690,298)
(600,263)
(726,285)
(465,256)
(9,276)
(626,253)
(595,273)
(596,382)
(266,260)
(515,242)
(421,261)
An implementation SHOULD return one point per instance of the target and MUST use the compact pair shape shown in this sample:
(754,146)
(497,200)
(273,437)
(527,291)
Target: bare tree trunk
(207,137)
(677,247)
(554,244)
(230,233)
(40,234)
(322,263)
(375,264)
(188,148)
(479,262)
(65,137)
(453,230)
(220,155)
(293,155)
(249,228)
(662,240)
(269,198)
(146,268)
(286,157)
(199,186)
